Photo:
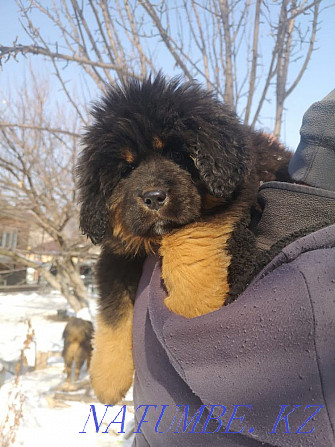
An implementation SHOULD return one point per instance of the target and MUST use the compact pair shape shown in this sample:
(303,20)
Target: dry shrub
(13,417)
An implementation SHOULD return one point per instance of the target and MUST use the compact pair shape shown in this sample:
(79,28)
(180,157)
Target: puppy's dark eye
(180,158)
(126,170)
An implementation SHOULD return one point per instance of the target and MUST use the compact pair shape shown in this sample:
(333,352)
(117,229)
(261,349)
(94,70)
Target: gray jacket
(261,365)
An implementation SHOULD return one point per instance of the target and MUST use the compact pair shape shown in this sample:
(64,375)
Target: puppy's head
(154,150)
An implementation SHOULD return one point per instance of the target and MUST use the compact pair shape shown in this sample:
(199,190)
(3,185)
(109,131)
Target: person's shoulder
(293,248)
(305,267)
(323,238)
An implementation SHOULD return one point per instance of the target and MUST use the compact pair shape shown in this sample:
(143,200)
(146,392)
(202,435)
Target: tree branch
(41,128)
(16,49)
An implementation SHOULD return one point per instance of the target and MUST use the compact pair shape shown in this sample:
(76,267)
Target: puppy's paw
(112,365)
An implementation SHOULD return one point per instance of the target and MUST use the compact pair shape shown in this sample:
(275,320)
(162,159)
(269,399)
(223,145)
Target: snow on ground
(47,420)
(15,309)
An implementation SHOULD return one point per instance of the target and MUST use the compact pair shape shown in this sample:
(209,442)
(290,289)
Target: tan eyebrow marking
(158,143)
(128,155)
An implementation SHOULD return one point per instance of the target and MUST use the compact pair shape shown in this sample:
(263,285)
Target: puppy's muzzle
(154,200)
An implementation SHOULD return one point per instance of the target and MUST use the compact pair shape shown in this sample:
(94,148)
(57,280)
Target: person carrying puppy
(261,370)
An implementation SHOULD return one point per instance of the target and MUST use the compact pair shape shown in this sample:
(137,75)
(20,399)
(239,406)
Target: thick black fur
(117,275)
(160,135)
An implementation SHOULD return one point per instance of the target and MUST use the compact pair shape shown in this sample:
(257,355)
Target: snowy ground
(47,419)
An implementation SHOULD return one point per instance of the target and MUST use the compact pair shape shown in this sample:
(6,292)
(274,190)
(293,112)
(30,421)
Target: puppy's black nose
(154,200)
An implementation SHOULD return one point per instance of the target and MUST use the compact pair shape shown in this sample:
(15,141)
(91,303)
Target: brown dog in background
(77,337)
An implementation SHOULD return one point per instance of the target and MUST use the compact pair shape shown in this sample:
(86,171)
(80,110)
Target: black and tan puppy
(77,337)
(167,167)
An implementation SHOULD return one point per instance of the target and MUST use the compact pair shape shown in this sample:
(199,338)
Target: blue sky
(317,82)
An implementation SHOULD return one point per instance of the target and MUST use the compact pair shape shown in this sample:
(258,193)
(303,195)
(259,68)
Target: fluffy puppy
(165,166)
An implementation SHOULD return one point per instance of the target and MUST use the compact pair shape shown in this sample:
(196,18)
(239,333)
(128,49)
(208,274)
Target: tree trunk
(229,81)
(75,281)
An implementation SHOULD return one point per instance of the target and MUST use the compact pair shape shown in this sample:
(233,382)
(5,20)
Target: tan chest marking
(195,264)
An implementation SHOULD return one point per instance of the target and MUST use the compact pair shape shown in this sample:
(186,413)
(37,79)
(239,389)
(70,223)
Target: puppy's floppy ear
(93,211)
(221,154)
(94,217)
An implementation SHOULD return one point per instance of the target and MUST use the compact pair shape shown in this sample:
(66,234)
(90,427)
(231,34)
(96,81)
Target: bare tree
(37,179)
(219,42)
